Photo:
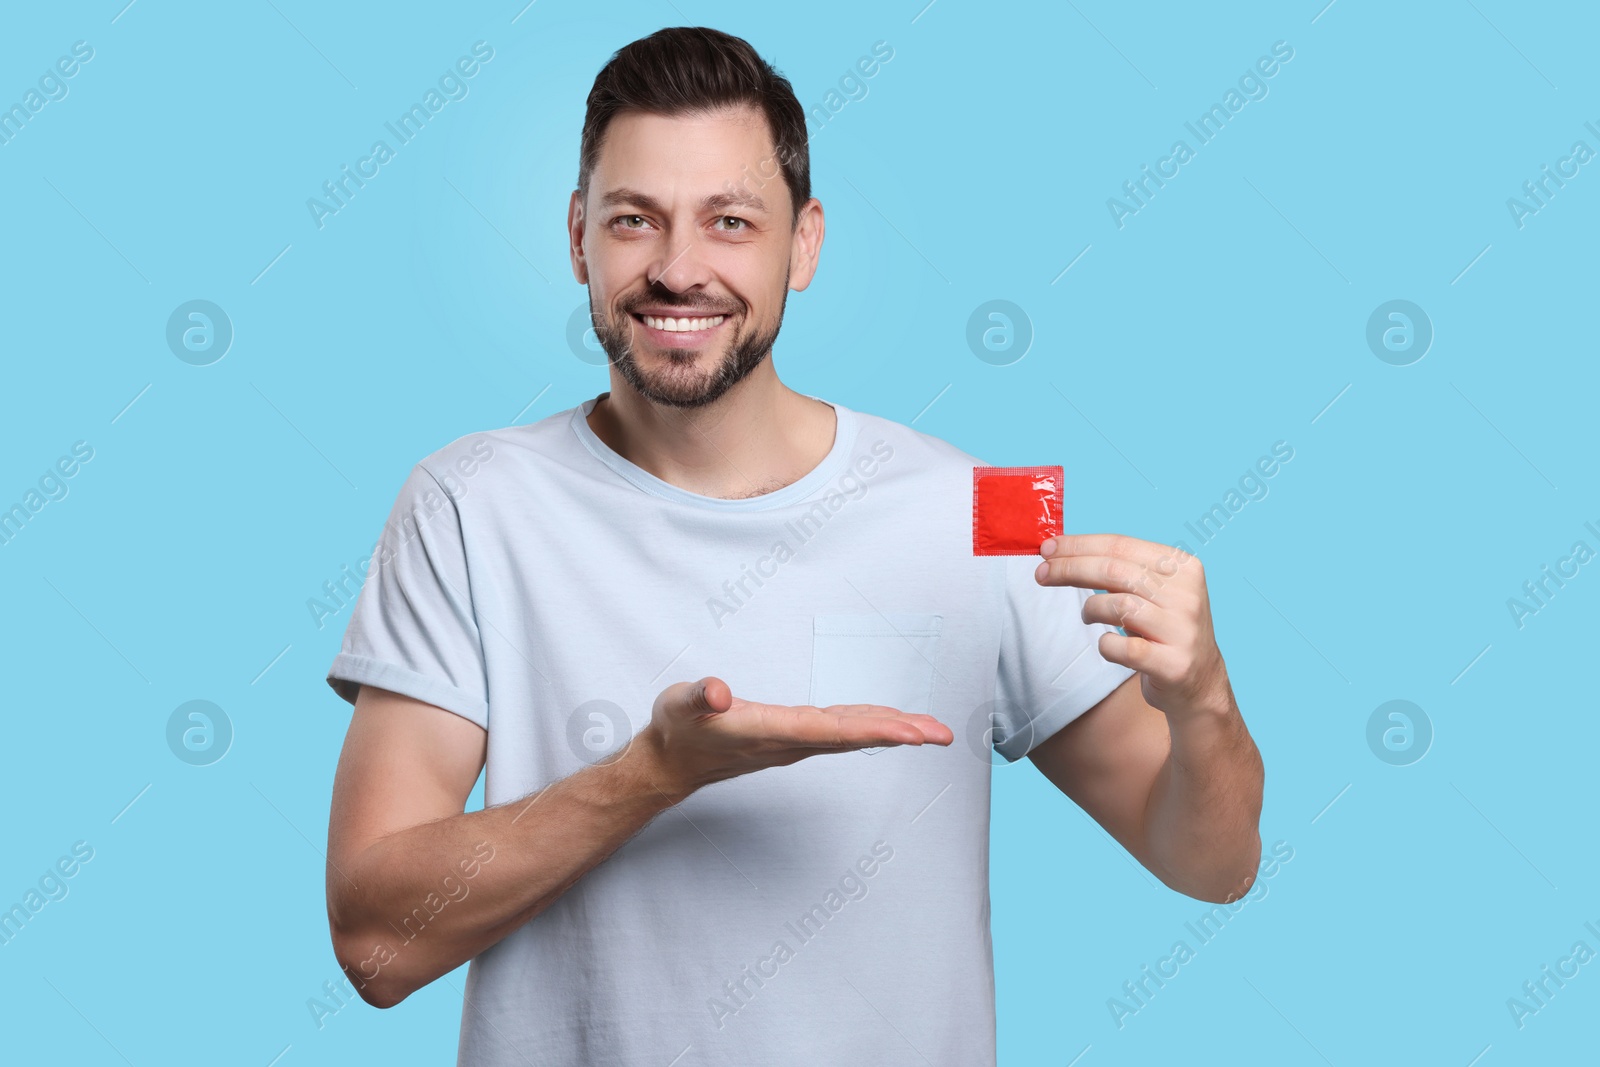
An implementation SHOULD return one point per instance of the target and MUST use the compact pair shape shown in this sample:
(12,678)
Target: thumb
(710,695)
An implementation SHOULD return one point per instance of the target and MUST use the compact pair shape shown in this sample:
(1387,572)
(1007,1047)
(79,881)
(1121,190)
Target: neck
(756,438)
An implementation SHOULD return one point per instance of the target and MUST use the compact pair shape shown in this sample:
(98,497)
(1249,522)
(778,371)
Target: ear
(807,245)
(575,227)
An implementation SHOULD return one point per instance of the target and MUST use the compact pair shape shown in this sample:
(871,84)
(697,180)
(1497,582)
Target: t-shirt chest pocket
(875,659)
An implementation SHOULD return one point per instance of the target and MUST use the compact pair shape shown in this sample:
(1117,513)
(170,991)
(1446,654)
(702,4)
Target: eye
(627,220)
(741,227)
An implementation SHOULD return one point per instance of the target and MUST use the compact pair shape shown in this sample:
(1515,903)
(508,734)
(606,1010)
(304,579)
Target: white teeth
(682,325)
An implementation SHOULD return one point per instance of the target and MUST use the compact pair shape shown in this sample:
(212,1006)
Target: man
(732,667)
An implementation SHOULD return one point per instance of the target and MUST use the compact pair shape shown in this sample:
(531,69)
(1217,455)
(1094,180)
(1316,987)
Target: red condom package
(1014,509)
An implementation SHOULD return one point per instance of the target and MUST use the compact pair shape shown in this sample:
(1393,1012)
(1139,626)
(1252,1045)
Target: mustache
(690,308)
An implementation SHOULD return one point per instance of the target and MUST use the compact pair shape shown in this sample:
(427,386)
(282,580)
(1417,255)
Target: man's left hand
(1157,593)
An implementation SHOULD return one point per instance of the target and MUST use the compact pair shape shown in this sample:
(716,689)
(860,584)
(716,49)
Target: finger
(1110,573)
(855,709)
(693,699)
(795,755)
(1144,656)
(826,729)
(840,725)
(867,730)
(1149,553)
(881,710)
(1135,614)
(710,695)
(932,729)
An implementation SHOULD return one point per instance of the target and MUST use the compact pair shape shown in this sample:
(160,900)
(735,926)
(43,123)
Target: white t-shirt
(833,911)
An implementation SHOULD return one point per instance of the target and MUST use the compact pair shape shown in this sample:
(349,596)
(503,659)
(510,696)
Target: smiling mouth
(681,325)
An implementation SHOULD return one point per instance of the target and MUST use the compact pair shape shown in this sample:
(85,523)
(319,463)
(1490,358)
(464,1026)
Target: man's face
(688,248)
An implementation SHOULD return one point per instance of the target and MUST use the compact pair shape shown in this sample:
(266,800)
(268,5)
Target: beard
(679,384)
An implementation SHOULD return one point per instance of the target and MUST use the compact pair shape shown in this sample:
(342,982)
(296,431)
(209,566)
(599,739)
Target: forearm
(418,903)
(1202,818)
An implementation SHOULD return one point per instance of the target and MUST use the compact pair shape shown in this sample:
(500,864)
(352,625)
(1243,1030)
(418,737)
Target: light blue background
(1228,314)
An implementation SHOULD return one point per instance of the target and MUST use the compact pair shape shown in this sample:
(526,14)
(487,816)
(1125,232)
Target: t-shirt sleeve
(413,630)
(1051,670)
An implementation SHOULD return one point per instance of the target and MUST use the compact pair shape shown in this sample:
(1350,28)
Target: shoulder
(488,455)
(876,433)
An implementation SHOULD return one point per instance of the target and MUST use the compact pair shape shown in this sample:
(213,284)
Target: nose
(682,265)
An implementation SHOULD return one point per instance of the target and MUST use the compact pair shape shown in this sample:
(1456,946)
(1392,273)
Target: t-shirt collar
(843,441)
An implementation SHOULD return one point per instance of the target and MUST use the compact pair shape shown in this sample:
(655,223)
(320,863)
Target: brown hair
(686,69)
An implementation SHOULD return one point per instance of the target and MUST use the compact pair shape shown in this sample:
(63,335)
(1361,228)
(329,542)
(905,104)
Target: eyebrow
(714,202)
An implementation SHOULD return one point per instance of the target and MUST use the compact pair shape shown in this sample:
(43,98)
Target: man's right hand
(700,733)
(397,831)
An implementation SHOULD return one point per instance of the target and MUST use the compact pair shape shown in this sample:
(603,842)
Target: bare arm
(416,886)
(1164,762)
(1183,801)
